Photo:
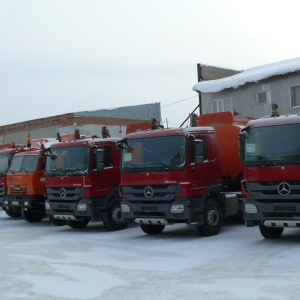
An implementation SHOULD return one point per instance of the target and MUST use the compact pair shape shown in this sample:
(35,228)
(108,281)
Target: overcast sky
(61,56)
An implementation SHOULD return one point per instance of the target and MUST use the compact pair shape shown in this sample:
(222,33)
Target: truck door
(203,167)
(106,170)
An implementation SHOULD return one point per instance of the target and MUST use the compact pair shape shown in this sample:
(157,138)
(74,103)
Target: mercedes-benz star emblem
(284,188)
(148,191)
(62,193)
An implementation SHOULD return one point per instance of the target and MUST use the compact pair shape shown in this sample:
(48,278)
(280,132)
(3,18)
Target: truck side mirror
(100,159)
(53,156)
(199,151)
(242,139)
(42,161)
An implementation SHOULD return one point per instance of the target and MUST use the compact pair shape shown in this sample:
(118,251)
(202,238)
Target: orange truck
(6,154)
(25,182)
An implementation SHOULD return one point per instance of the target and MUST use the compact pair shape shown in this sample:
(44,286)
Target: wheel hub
(213,217)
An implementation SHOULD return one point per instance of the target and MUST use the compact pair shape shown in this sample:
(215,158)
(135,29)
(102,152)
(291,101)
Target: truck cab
(173,176)
(271,181)
(6,156)
(25,181)
(82,180)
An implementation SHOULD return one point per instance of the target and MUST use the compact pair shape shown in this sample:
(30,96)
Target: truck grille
(150,193)
(69,193)
(18,191)
(269,191)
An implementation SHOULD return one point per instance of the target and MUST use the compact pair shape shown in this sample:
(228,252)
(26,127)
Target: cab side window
(195,149)
(108,161)
(108,157)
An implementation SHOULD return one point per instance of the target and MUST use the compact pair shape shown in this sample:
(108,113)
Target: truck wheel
(78,224)
(152,229)
(114,216)
(212,219)
(14,213)
(33,216)
(57,222)
(270,232)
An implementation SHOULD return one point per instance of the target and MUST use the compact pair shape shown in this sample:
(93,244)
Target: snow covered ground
(42,261)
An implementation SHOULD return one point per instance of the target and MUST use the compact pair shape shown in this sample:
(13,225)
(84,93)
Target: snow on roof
(250,75)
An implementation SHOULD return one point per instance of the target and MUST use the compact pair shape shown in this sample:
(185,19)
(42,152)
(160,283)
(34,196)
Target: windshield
(4,163)
(154,154)
(68,160)
(24,163)
(280,143)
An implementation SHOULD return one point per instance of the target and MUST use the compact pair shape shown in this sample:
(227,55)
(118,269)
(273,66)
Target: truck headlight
(125,208)
(177,209)
(81,207)
(250,208)
(47,205)
(5,202)
(26,203)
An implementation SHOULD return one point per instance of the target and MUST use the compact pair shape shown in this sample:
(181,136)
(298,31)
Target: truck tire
(114,217)
(78,224)
(270,232)
(14,213)
(33,216)
(152,229)
(213,219)
(57,222)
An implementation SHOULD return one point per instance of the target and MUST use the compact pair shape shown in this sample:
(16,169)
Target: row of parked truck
(197,175)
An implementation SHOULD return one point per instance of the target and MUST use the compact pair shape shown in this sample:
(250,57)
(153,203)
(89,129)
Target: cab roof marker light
(28,142)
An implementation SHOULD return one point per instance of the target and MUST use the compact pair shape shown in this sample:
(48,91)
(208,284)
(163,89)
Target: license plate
(61,206)
(284,209)
(15,202)
(148,208)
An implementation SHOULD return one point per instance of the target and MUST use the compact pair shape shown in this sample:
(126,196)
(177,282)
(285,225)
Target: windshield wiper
(292,156)
(131,168)
(266,163)
(130,165)
(75,173)
(159,163)
(263,160)
(259,157)
(54,172)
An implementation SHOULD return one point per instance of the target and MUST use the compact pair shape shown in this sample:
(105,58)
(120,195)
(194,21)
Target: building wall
(242,97)
(118,121)
(136,112)
(67,123)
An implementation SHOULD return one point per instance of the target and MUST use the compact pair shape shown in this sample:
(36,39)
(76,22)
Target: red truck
(25,181)
(82,180)
(270,152)
(182,175)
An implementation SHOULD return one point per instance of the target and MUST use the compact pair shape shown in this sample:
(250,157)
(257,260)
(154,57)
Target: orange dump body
(227,131)
(135,127)
(5,146)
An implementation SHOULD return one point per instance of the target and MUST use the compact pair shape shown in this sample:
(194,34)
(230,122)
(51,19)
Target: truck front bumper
(80,210)
(22,202)
(157,214)
(271,214)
